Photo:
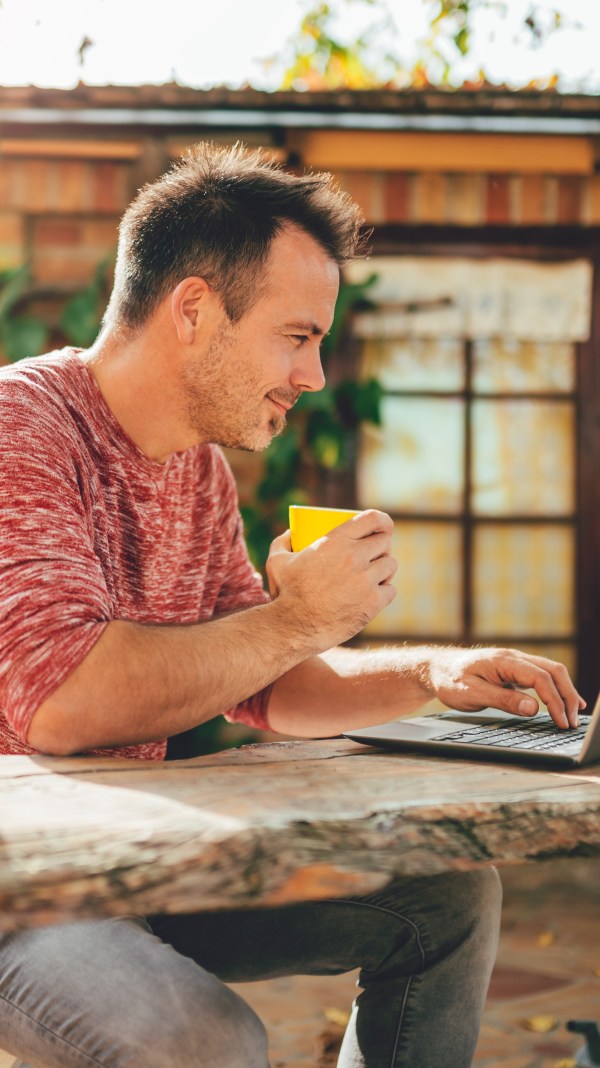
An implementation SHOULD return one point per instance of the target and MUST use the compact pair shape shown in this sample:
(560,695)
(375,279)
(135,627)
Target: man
(131,613)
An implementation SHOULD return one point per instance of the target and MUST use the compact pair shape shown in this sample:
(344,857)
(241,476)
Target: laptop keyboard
(542,734)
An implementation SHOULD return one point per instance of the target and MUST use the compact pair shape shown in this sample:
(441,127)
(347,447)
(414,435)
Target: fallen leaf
(566,1062)
(337,1016)
(546,938)
(328,1048)
(540,1024)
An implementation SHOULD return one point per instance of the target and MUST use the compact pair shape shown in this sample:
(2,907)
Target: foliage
(82,314)
(320,58)
(451,35)
(320,436)
(320,61)
(20,335)
(23,335)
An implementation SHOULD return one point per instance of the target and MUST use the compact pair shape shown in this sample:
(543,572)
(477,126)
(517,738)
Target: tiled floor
(548,971)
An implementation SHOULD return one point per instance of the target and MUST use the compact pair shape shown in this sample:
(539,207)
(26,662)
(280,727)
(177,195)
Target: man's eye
(300,338)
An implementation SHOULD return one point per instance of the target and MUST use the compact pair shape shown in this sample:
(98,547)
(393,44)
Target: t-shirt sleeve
(55,604)
(242,587)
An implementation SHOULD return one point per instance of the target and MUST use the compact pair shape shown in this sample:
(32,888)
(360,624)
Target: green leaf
(23,337)
(82,314)
(14,285)
(258,535)
(359,402)
(325,439)
(352,296)
(328,448)
(81,318)
(284,451)
(461,40)
(309,402)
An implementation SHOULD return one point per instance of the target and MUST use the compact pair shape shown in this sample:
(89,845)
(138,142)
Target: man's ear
(188,306)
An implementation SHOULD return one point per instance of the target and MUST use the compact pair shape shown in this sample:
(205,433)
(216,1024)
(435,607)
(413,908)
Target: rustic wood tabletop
(268,823)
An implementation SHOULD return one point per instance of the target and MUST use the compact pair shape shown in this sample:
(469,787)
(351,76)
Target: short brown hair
(215,214)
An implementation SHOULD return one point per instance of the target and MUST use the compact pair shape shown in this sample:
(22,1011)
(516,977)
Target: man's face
(248,374)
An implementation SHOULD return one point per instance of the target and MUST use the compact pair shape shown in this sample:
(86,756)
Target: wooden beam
(69,149)
(483,153)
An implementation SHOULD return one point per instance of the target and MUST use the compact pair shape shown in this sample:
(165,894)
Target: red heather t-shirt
(91,530)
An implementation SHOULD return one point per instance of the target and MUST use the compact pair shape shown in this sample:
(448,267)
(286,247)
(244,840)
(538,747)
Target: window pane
(428,580)
(523,460)
(415,460)
(432,364)
(523,580)
(508,365)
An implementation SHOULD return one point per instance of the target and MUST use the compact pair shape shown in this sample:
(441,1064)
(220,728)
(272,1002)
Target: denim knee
(112,995)
(484,891)
(219,1028)
(431,917)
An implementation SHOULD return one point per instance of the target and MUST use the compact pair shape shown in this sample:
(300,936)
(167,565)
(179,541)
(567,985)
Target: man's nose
(309,375)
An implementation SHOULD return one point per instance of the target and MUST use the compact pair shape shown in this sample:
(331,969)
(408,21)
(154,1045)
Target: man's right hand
(333,588)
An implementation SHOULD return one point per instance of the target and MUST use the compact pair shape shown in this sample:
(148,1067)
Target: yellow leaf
(337,1016)
(540,1024)
(566,1062)
(546,938)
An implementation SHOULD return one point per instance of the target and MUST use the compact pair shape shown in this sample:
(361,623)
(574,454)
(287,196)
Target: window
(476,458)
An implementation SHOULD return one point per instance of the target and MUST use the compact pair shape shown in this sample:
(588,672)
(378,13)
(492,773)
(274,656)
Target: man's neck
(139,383)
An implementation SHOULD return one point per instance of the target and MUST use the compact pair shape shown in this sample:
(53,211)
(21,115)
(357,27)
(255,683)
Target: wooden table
(266,824)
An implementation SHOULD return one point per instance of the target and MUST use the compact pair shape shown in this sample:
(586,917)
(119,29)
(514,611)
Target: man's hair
(215,214)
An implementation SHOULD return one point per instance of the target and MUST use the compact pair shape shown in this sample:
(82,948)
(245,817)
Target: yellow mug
(307,524)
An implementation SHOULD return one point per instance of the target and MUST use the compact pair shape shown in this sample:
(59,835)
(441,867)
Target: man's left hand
(472,679)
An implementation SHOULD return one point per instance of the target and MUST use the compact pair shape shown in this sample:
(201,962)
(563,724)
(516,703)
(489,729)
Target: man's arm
(347,688)
(141,682)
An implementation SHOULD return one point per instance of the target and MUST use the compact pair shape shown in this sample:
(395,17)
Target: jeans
(151,993)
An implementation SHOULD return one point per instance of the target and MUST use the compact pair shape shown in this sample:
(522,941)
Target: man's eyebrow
(306,328)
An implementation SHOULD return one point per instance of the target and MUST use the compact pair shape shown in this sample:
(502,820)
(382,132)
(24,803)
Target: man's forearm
(346,688)
(140,683)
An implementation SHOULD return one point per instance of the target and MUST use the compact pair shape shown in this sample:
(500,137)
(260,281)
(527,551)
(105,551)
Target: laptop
(491,735)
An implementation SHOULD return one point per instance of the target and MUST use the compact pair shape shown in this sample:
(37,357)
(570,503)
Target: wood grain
(267,824)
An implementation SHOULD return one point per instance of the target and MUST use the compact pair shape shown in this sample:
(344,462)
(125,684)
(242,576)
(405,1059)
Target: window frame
(544,245)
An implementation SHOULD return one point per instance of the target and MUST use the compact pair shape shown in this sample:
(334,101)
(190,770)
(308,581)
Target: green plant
(320,436)
(325,52)
(21,335)
(82,314)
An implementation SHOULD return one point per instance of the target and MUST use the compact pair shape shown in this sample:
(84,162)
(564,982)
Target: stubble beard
(216,400)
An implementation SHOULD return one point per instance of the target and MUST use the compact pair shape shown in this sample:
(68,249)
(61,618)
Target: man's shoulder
(37,399)
(44,376)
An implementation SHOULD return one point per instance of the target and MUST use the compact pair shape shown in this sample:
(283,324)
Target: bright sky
(227,42)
